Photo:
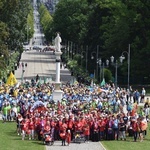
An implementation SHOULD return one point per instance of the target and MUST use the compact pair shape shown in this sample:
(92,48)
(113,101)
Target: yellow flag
(76,82)
(15,93)
(11,80)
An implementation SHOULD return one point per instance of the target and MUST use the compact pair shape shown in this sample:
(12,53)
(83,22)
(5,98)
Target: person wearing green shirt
(93,104)
(4,112)
(141,112)
(18,109)
(8,112)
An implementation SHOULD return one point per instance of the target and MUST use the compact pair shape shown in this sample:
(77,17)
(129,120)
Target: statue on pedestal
(57,93)
(57,43)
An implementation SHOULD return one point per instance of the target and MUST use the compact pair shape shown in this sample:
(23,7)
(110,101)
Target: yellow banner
(11,80)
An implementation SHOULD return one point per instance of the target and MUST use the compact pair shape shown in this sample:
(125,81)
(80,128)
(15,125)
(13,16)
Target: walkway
(41,63)
(76,146)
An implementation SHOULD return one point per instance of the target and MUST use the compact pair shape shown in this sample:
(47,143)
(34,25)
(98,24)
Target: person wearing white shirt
(147,111)
(13,112)
(143,95)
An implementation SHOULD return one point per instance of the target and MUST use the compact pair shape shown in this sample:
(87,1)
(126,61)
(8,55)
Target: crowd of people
(97,113)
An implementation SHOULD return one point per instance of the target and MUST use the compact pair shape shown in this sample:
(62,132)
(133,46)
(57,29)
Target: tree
(14,14)
(3,47)
(13,20)
(46,21)
(70,19)
(112,25)
(128,22)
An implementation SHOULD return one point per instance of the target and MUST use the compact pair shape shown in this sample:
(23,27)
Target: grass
(9,140)
(128,144)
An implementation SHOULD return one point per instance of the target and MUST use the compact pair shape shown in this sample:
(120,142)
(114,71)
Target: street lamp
(23,70)
(83,53)
(1,60)
(86,56)
(102,66)
(92,57)
(116,65)
(72,50)
(97,59)
(122,56)
(68,49)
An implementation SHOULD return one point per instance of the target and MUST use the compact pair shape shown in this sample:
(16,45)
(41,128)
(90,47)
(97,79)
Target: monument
(57,94)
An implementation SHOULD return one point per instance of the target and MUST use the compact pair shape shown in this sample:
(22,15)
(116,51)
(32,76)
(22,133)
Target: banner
(11,80)
(103,82)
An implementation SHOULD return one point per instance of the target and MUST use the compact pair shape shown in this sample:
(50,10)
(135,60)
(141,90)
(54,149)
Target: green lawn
(9,140)
(129,144)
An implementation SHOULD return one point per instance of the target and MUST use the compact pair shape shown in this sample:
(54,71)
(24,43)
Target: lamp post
(82,56)
(68,49)
(116,65)
(92,57)
(97,59)
(86,56)
(122,57)
(1,57)
(23,70)
(71,50)
(102,67)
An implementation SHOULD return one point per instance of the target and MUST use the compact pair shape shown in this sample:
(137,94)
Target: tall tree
(46,21)
(70,19)
(128,22)
(112,25)
(14,14)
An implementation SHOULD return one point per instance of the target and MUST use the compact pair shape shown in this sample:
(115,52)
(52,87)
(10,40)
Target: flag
(92,83)
(40,82)
(11,80)
(45,79)
(103,82)
(76,82)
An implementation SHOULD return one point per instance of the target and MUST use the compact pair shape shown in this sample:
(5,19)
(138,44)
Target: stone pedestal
(57,94)
(58,60)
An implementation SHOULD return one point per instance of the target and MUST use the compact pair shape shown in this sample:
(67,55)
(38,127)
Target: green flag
(45,79)
(40,82)
(103,82)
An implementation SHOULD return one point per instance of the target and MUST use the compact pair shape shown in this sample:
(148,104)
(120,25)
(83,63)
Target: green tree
(128,22)
(112,25)
(3,47)
(46,21)
(29,26)
(14,14)
(70,19)
(13,20)
(107,75)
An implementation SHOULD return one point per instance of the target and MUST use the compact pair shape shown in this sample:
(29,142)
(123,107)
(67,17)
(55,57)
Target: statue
(57,43)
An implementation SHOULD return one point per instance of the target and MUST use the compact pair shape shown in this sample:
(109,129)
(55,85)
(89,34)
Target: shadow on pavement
(35,60)
(39,53)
